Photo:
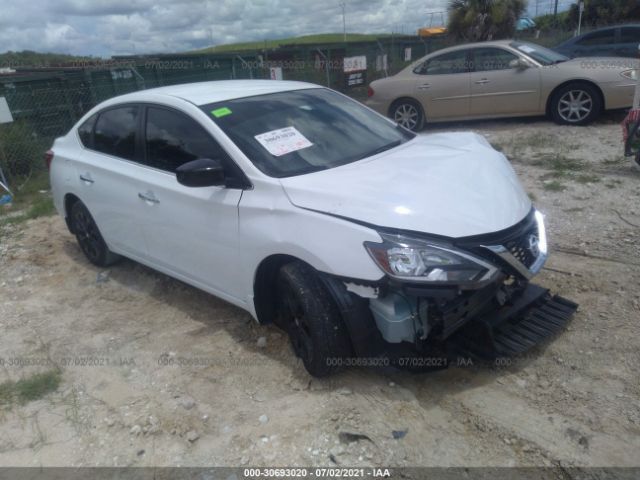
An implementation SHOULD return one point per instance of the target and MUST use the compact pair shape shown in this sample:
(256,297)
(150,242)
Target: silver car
(504,79)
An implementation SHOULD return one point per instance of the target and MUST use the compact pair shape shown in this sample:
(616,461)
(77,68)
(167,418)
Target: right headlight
(417,260)
(630,74)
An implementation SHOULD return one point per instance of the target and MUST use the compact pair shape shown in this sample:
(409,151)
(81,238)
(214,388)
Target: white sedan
(366,243)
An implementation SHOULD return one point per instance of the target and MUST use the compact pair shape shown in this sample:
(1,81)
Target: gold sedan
(504,79)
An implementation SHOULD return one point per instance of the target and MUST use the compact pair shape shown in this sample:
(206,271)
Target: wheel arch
(393,104)
(571,82)
(265,286)
(69,201)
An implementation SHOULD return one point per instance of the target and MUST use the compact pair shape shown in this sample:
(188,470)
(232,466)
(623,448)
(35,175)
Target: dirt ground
(155,372)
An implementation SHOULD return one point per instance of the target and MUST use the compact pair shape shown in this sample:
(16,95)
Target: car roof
(465,46)
(202,93)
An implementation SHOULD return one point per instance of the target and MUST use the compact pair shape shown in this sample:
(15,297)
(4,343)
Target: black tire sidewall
(591,91)
(329,335)
(105,256)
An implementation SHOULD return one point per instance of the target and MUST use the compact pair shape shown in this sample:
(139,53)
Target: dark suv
(618,41)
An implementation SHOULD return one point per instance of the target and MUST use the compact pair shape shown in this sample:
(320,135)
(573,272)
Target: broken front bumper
(531,319)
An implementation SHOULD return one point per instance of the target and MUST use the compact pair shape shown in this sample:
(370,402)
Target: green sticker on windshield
(220,112)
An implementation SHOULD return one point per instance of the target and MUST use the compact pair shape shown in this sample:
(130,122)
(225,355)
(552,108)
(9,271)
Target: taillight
(48,158)
(370,92)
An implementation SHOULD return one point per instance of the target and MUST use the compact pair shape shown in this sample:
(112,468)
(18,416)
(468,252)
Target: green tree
(605,12)
(478,20)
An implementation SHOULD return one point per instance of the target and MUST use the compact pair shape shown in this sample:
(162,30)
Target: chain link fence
(46,103)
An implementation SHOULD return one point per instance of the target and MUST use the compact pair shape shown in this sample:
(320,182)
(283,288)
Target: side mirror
(203,172)
(518,63)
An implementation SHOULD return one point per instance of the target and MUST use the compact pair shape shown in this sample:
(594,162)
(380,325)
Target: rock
(187,403)
(337,450)
(398,434)
(344,391)
(262,342)
(109,421)
(263,419)
(140,452)
(192,436)
(244,460)
(103,276)
(136,430)
(392,384)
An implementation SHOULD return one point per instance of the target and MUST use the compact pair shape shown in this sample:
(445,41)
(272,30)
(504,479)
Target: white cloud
(107,27)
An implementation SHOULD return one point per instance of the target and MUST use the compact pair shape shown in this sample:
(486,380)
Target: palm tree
(478,20)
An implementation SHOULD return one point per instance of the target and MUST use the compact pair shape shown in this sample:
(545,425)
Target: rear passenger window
(173,139)
(630,35)
(85,132)
(115,132)
(604,37)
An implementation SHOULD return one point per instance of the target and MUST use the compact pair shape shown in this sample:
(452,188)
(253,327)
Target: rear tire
(408,113)
(89,237)
(576,104)
(312,319)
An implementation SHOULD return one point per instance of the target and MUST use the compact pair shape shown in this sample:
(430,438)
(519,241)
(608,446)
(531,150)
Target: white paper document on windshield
(282,141)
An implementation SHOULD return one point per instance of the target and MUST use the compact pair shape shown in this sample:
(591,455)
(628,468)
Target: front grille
(521,248)
(515,239)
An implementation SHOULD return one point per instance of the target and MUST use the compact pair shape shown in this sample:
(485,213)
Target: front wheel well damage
(265,287)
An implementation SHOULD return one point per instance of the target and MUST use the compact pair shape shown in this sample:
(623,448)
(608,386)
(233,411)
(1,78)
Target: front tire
(89,237)
(409,114)
(312,319)
(576,104)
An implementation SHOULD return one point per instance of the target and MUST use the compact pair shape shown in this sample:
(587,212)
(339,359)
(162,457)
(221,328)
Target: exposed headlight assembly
(417,260)
(630,74)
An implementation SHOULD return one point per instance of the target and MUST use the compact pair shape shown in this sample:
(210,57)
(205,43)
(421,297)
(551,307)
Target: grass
(29,201)
(305,39)
(31,388)
(554,186)
(587,178)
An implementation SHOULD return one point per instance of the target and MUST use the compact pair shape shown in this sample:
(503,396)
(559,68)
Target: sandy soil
(158,373)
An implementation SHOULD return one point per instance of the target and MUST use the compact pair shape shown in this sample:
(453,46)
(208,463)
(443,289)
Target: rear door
(107,176)
(498,88)
(191,233)
(442,86)
(600,43)
(627,45)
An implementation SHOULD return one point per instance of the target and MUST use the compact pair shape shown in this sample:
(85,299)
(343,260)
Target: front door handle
(86,178)
(148,197)
(482,82)
(424,86)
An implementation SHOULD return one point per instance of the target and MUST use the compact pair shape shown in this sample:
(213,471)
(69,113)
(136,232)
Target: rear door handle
(86,178)
(148,197)
(424,86)
(482,82)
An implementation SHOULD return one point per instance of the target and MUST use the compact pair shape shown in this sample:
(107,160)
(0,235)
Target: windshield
(303,131)
(540,54)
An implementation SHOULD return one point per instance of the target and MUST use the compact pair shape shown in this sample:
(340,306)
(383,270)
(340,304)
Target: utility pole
(555,9)
(344,22)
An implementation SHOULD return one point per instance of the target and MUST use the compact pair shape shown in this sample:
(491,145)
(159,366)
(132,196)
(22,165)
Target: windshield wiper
(384,148)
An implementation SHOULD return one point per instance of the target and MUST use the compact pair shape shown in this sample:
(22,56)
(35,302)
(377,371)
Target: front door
(499,88)
(190,232)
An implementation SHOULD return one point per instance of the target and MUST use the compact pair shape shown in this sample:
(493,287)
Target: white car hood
(450,184)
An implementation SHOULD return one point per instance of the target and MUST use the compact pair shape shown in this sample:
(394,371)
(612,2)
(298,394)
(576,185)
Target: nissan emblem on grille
(533,245)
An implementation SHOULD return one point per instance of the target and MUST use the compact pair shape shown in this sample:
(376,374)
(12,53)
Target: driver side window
(173,139)
(445,64)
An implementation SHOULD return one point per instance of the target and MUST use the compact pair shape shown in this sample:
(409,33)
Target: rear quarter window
(85,131)
(115,132)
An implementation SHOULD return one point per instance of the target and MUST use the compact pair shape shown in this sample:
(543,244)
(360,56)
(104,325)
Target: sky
(114,27)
